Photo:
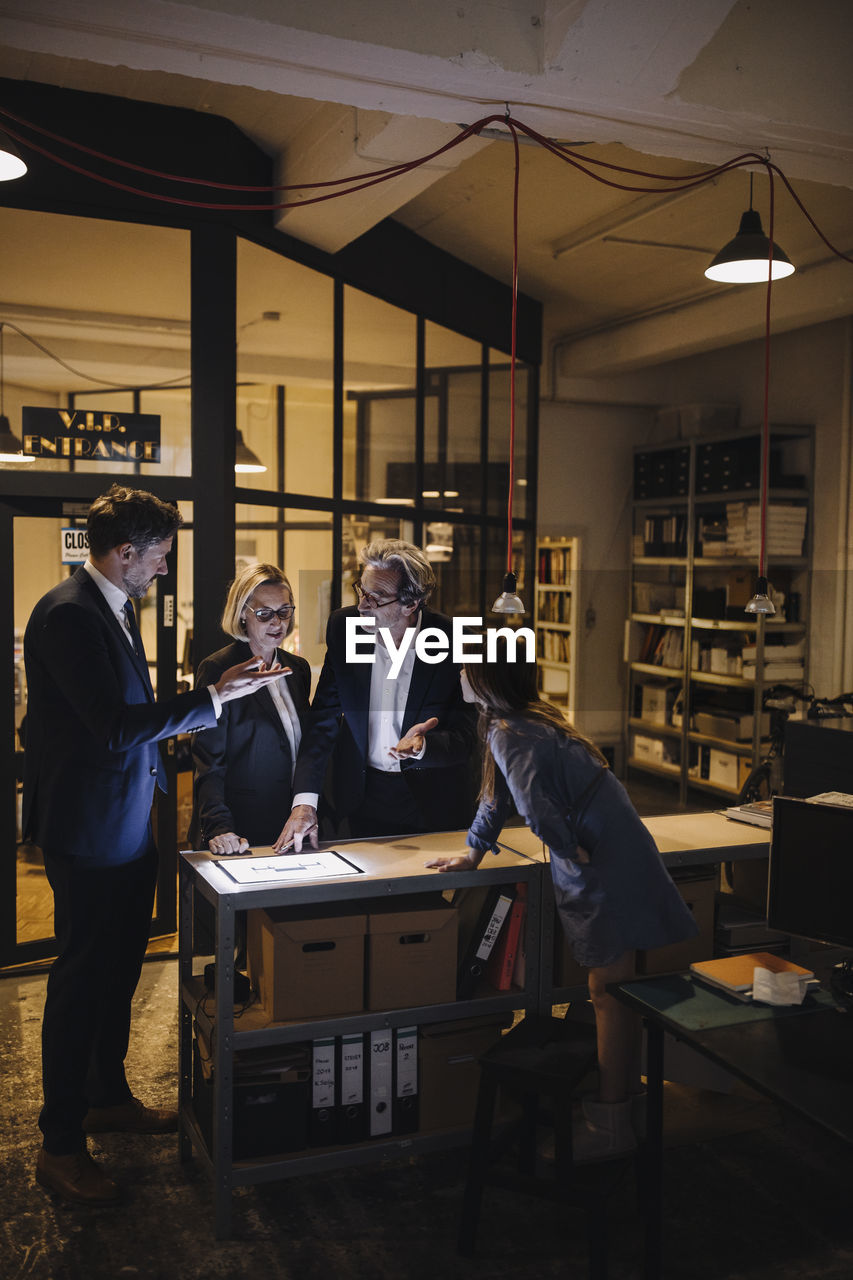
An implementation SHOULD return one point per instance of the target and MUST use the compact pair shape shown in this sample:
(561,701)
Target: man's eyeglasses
(372,601)
(266,615)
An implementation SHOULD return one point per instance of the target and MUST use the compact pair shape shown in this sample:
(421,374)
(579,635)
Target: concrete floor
(747,1197)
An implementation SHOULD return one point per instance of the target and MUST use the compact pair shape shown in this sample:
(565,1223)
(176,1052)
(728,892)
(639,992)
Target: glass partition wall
(353,419)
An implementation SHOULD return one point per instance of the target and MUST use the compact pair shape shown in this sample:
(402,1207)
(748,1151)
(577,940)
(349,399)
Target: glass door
(36,553)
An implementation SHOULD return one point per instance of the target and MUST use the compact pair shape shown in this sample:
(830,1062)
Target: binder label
(352,1070)
(381,1060)
(323,1078)
(493,928)
(407,1062)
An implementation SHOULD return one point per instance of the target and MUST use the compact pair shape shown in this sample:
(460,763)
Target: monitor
(810,887)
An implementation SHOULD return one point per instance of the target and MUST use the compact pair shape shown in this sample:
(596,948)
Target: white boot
(603,1132)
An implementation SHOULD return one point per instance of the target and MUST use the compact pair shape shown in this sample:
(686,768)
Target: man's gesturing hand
(412,741)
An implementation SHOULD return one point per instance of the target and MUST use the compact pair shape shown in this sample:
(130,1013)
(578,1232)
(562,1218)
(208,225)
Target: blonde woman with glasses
(243,768)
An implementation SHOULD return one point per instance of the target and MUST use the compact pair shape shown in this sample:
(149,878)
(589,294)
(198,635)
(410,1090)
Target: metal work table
(391,867)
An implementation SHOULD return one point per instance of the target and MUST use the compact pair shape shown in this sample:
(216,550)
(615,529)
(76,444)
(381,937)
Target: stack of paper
(786,528)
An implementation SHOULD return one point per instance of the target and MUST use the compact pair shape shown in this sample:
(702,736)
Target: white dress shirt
(387,706)
(117,598)
(283,703)
(386,709)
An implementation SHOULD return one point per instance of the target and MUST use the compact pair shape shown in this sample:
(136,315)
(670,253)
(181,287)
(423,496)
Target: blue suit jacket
(91,759)
(442,783)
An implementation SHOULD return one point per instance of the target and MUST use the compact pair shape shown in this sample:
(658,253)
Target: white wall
(585,479)
(585,487)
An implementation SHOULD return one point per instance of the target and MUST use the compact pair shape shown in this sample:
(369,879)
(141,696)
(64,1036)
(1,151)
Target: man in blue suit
(90,768)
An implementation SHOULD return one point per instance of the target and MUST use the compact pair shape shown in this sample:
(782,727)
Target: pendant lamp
(245,461)
(509,601)
(11,163)
(761,601)
(745,259)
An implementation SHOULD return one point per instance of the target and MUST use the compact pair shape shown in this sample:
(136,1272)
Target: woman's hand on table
(228,842)
(467,861)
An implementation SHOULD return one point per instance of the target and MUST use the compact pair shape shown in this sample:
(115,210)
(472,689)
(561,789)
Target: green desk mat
(697,1007)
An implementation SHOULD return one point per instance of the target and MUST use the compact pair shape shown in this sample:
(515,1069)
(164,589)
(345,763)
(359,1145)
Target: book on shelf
(555,565)
(759,813)
(734,974)
(662,646)
(555,646)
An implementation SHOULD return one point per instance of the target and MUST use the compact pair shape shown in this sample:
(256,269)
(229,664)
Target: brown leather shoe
(130,1117)
(76,1177)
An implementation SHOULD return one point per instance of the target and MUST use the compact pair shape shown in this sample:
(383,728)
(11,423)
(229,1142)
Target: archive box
(411,953)
(449,1068)
(306,965)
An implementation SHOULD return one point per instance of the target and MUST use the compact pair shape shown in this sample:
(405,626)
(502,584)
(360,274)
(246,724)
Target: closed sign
(75,546)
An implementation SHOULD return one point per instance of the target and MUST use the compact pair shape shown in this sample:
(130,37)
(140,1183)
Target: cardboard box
(734,727)
(411,953)
(648,748)
(449,1069)
(725,662)
(653,702)
(723,768)
(304,965)
(700,895)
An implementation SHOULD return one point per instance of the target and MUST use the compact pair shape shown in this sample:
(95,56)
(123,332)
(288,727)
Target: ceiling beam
(663,78)
(811,296)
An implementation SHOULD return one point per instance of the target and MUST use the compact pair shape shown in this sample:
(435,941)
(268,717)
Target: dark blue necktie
(135,638)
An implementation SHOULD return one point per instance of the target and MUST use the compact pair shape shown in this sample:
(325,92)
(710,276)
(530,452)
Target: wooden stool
(542,1058)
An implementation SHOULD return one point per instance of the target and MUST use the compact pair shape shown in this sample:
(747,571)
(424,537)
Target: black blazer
(243,766)
(441,783)
(91,759)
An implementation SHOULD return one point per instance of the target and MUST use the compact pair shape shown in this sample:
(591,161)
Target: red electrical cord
(512,350)
(765,418)
(584,164)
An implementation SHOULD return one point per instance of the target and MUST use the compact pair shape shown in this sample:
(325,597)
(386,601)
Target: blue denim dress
(622,897)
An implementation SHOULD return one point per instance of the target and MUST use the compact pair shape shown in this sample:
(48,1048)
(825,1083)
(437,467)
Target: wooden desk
(693,839)
(684,839)
(800,1057)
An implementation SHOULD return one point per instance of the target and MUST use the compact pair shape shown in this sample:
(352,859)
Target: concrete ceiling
(344,88)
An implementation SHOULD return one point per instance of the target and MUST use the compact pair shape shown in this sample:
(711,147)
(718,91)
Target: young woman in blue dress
(612,891)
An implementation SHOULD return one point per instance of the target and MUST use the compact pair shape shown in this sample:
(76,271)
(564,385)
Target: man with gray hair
(399,737)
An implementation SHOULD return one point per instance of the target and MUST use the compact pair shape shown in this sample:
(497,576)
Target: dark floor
(746,1196)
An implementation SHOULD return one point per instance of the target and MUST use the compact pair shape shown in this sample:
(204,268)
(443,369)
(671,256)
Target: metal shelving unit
(679,500)
(390,867)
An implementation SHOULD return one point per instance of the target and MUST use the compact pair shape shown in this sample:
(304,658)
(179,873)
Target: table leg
(654,1151)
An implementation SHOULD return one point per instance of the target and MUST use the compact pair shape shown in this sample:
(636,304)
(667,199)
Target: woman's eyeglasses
(372,601)
(266,615)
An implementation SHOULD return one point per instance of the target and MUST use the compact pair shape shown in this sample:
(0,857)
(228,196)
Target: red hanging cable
(360,182)
(390,171)
(512,351)
(765,421)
